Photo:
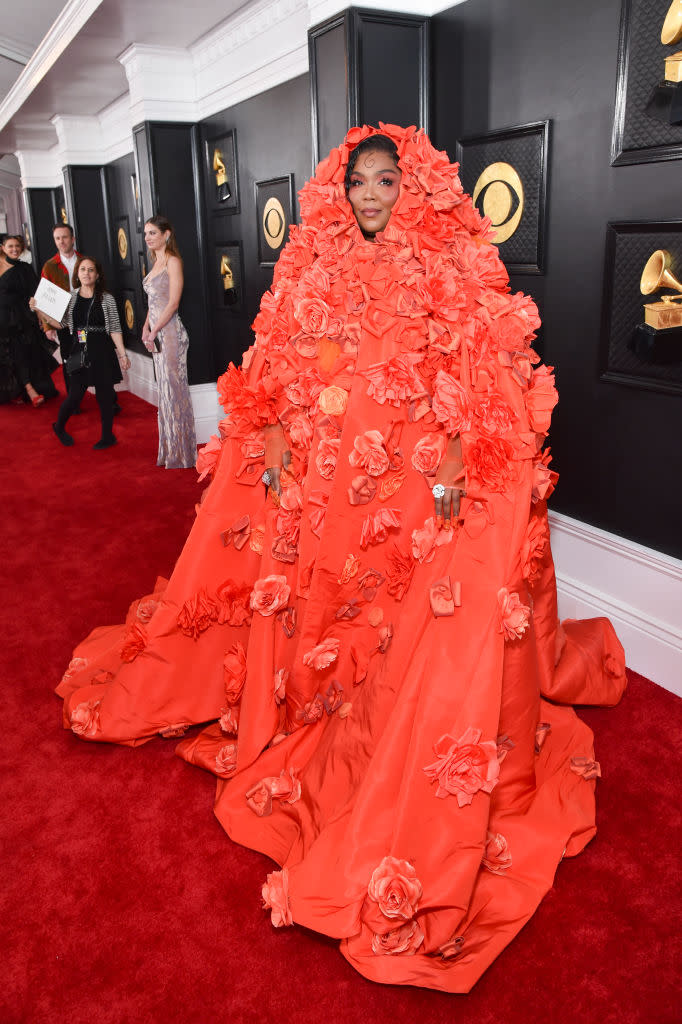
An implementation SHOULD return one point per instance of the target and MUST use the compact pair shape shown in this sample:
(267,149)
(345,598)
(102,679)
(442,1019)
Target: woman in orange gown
(378,657)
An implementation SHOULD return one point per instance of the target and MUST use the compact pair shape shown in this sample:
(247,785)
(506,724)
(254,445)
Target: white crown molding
(15,51)
(97,139)
(251,83)
(40,168)
(62,31)
(639,589)
(320,10)
(249,24)
(162,83)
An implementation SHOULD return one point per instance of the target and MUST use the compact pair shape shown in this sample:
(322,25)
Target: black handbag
(78,360)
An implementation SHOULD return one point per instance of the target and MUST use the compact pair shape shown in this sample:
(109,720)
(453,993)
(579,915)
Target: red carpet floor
(123,900)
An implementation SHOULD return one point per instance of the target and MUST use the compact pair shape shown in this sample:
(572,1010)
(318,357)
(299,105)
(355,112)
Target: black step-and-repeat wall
(502,63)
(254,158)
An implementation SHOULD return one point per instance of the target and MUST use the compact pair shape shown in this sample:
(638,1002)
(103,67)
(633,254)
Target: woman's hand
(123,360)
(147,338)
(448,489)
(277,457)
(274,474)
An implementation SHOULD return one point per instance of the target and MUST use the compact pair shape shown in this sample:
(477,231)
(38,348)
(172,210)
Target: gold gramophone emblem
(671,33)
(226,272)
(657,274)
(221,179)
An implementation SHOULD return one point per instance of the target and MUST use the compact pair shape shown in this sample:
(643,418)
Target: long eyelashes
(355,182)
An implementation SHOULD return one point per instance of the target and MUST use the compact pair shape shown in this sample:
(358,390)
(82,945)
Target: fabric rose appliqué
(464,766)
(514,616)
(369,453)
(395,888)
(226,760)
(496,857)
(322,655)
(269,594)
(85,718)
(275,894)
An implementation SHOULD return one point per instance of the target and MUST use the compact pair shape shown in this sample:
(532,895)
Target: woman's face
(87,273)
(373,191)
(12,248)
(155,238)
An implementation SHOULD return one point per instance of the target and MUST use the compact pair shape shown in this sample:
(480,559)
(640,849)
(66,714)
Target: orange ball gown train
(386,703)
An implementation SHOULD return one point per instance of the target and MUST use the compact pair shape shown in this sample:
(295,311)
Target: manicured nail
(447,524)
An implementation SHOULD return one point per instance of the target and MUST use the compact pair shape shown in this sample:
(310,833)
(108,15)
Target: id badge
(82,337)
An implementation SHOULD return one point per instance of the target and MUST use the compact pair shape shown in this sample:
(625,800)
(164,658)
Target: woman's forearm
(166,315)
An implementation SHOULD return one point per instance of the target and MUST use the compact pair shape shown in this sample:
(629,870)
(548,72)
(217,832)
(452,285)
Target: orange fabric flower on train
(496,857)
(284,787)
(197,614)
(490,462)
(313,315)
(395,888)
(229,721)
(275,894)
(207,458)
(428,453)
(327,454)
(333,401)
(134,643)
(226,760)
(514,616)
(450,404)
(407,939)
(541,398)
(427,539)
(395,380)
(494,416)
(322,655)
(534,547)
(377,524)
(85,718)
(234,672)
(465,766)
(369,453)
(270,594)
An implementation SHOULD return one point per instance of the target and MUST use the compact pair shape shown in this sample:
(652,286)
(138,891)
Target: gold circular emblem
(122,243)
(274,222)
(500,191)
(129,314)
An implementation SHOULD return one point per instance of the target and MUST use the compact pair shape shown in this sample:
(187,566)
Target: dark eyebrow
(387,170)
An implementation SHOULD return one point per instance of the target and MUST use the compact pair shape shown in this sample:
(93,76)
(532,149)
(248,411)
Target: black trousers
(104,393)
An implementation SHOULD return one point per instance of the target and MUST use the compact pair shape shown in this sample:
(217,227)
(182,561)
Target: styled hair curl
(372,144)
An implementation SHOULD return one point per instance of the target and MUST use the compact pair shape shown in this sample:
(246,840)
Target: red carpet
(122,898)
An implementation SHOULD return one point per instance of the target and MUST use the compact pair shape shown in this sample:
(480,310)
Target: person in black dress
(26,364)
(91,321)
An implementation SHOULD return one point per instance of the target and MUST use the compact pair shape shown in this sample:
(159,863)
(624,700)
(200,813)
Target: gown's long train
(388,701)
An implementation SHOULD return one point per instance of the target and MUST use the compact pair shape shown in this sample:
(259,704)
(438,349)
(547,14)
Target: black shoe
(105,443)
(117,408)
(65,438)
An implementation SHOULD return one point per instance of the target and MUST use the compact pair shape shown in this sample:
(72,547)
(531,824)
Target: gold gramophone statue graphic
(665,102)
(230,293)
(659,338)
(222,183)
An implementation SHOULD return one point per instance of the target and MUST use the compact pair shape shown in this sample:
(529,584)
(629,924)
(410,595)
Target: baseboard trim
(205,405)
(638,589)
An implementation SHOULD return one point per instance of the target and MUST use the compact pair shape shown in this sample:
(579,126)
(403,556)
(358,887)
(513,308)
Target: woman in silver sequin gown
(165,336)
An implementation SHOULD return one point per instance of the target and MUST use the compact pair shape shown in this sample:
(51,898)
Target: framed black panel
(505,172)
(274,214)
(227,277)
(382,40)
(332,84)
(130,315)
(137,203)
(142,261)
(638,135)
(123,249)
(223,173)
(629,244)
(40,221)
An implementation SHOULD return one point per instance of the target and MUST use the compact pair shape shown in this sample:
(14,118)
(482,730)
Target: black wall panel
(86,191)
(166,159)
(507,62)
(273,138)
(126,279)
(41,220)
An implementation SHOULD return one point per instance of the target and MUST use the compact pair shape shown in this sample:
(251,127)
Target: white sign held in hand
(51,299)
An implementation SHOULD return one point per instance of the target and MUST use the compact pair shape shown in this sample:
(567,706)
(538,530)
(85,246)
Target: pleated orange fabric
(386,703)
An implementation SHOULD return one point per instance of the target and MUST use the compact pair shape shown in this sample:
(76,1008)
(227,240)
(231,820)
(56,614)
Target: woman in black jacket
(92,323)
(26,364)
